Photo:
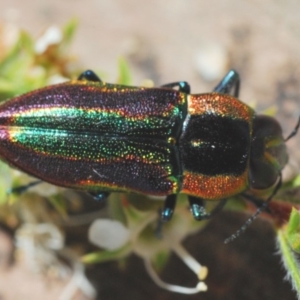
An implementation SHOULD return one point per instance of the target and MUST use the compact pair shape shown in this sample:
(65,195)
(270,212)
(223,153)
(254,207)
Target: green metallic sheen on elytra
(86,146)
(78,118)
(96,136)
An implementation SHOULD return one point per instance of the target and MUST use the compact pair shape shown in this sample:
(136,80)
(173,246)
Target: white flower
(108,234)
(52,36)
(138,236)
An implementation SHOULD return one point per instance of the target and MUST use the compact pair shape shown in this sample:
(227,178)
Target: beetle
(99,137)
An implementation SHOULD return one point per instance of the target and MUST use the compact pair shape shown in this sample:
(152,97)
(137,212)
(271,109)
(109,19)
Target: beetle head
(268,152)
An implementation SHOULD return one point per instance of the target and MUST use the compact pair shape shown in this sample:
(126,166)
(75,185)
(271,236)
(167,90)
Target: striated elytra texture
(96,136)
(159,141)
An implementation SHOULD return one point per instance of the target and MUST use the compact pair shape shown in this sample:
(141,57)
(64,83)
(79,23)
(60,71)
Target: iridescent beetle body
(99,137)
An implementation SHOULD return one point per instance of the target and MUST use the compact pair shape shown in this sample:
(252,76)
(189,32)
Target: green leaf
(290,260)
(5,182)
(59,204)
(104,256)
(293,231)
(160,260)
(295,182)
(69,31)
(124,72)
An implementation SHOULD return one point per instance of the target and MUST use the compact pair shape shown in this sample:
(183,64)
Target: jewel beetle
(99,137)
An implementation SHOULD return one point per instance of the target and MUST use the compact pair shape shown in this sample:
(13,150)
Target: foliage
(25,65)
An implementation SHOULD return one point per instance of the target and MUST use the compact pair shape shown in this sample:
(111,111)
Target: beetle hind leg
(197,206)
(168,209)
(230,81)
(90,76)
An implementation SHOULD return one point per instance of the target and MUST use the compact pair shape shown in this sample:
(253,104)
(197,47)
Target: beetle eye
(268,152)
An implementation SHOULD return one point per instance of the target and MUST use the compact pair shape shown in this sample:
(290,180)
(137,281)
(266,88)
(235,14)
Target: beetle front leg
(90,76)
(182,86)
(230,81)
(197,206)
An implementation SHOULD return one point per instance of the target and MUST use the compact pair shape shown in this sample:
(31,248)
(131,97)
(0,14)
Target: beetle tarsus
(23,188)
(230,81)
(159,225)
(99,196)
(168,209)
(182,86)
(197,206)
(89,75)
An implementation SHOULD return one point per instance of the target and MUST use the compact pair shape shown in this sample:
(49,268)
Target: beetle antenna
(294,132)
(259,210)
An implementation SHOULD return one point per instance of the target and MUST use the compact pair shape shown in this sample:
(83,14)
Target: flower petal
(108,234)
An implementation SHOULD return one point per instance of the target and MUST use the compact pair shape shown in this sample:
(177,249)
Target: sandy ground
(196,41)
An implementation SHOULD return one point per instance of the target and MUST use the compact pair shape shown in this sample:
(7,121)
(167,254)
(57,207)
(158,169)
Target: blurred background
(196,41)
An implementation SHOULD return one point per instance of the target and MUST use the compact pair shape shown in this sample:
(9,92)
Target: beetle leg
(182,86)
(168,209)
(197,206)
(99,196)
(230,81)
(23,188)
(89,75)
